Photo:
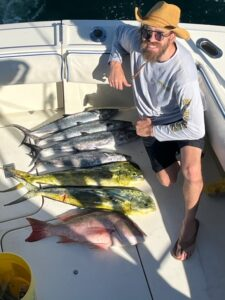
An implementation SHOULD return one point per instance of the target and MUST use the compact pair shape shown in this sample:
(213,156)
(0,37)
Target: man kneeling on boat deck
(169,104)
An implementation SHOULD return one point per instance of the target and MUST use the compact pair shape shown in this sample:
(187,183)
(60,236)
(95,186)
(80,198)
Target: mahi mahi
(123,199)
(113,174)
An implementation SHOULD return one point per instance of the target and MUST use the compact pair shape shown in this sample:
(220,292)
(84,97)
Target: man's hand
(117,77)
(144,127)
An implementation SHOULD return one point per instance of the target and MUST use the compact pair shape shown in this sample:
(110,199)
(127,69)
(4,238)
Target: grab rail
(212,90)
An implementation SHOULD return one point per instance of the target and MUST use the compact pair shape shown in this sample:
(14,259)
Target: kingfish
(94,228)
(113,174)
(67,121)
(83,129)
(122,199)
(83,159)
(98,140)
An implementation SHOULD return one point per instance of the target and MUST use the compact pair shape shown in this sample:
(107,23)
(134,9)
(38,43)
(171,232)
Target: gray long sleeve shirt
(167,92)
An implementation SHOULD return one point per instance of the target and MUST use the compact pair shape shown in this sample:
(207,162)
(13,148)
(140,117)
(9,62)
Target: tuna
(83,129)
(98,140)
(67,121)
(83,159)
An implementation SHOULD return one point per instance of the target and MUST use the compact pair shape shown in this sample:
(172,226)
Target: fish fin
(34,151)
(64,239)
(99,246)
(33,147)
(32,168)
(27,132)
(73,213)
(39,230)
(21,199)
(16,187)
(83,133)
(34,160)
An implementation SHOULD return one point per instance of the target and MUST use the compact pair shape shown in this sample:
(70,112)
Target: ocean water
(193,11)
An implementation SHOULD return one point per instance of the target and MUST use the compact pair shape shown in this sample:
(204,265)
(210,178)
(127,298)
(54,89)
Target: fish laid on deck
(122,199)
(68,121)
(83,159)
(113,174)
(79,130)
(95,228)
(98,140)
(216,188)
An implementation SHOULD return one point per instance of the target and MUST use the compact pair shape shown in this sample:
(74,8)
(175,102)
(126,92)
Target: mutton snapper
(98,140)
(83,129)
(122,199)
(83,159)
(94,228)
(67,121)
(113,174)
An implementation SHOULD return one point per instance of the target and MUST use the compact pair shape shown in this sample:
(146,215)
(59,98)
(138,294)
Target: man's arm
(121,46)
(192,125)
(117,78)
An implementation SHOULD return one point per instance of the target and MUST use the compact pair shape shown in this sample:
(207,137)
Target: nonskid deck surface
(144,272)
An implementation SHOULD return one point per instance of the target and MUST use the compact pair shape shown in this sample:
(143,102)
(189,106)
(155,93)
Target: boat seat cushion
(31,68)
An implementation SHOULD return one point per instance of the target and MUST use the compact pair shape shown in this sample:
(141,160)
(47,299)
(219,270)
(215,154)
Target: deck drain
(75,272)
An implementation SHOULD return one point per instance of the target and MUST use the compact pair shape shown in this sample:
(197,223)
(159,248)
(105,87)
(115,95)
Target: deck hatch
(209,48)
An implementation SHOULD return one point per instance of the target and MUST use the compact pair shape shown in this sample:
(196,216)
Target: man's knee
(192,173)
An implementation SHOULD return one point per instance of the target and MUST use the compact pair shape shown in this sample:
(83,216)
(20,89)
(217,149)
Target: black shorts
(164,154)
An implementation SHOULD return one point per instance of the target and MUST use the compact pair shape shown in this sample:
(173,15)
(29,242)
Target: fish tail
(16,187)
(25,197)
(39,230)
(32,168)
(25,131)
(34,149)
(34,162)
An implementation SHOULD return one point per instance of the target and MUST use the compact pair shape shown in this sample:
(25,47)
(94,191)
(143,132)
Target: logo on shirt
(186,115)
(163,84)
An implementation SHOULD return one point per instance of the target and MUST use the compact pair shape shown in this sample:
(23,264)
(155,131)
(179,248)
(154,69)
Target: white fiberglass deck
(69,271)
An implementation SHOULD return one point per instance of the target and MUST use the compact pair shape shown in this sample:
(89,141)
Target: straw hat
(165,16)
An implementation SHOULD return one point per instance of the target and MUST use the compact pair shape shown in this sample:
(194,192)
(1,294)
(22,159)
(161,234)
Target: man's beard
(152,56)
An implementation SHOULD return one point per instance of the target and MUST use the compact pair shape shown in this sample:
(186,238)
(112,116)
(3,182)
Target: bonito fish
(67,121)
(94,228)
(113,174)
(98,140)
(122,199)
(83,159)
(83,129)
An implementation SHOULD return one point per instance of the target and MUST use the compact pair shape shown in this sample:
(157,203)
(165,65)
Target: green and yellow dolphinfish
(216,188)
(121,199)
(113,174)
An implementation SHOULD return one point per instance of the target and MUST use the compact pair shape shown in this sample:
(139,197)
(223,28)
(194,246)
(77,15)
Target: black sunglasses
(147,33)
